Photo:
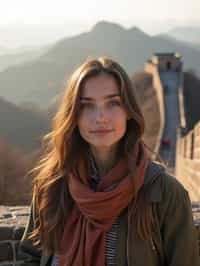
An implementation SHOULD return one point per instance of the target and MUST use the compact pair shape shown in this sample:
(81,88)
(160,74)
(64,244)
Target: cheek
(120,117)
(83,122)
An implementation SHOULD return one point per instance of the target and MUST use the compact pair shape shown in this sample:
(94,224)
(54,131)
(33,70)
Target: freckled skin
(101,113)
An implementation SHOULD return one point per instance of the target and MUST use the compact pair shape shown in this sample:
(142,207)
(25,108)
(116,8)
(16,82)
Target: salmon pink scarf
(94,212)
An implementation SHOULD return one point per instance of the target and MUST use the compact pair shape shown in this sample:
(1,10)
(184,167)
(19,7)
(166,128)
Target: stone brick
(18,216)
(188,163)
(6,252)
(197,128)
(194,190)
(18,232)
(197,142)
(19,263)
(18,254)
(197,154)
(196,165)
(6,233)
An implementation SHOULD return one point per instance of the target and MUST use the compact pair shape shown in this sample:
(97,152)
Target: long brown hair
(63,146)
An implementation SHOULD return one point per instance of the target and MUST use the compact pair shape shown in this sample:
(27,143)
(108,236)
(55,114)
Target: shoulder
(171,185)
(175,198)
(171,198)
(172,188)
(163,186)
(156,172)
(174,220)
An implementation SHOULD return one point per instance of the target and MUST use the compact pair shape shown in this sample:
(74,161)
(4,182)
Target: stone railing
(182,118)
(188,161)
(12,224)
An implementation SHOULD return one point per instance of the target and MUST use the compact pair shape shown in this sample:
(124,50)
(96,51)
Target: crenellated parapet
(188,161)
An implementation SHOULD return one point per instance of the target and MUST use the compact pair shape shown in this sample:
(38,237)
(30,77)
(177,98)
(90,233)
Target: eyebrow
(106,97)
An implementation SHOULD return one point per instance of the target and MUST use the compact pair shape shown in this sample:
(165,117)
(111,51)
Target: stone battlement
(188,161)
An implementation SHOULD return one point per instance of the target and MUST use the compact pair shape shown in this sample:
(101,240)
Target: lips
(101,131)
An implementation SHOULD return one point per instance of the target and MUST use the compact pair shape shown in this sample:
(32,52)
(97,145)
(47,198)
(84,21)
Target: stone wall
(188,161)
(157,84)
(148,101)
(12,224)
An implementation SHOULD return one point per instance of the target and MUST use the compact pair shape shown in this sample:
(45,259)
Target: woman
(98,198)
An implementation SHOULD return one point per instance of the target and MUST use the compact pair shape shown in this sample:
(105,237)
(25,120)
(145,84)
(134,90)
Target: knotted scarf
(94,212)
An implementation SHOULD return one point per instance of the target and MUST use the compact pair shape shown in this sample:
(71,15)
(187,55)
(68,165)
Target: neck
(105,158)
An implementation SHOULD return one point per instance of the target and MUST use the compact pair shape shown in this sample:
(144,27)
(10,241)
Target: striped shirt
(111,236)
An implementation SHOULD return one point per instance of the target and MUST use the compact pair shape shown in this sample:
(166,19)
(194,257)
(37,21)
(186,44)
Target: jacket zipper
(156,250)
(127,239)
(153,246)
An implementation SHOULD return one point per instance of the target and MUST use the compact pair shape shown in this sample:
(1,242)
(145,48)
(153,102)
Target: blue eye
(115,103)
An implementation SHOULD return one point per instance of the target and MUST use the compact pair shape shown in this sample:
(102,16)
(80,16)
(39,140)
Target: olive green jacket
(174,238)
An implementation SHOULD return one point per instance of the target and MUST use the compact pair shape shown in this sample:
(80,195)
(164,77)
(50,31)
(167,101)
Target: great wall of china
(182,156)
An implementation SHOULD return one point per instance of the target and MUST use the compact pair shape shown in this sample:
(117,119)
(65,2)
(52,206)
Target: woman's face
(102,119)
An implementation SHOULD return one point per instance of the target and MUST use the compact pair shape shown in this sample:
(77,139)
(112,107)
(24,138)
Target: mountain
(177,42)
(186,34)
(20,56)
(22,127)
(39,81)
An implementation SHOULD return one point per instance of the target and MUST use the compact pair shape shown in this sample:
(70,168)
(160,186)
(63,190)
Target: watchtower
(167,61)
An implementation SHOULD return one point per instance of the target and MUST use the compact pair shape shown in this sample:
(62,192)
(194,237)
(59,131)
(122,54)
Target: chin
(102,144)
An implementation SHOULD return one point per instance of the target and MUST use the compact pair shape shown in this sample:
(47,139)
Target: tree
(15,185)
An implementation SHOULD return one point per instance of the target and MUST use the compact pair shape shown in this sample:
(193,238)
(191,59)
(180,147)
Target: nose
(101,116)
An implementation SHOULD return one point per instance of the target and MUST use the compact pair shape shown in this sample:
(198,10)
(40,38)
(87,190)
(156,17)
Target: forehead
(100,86)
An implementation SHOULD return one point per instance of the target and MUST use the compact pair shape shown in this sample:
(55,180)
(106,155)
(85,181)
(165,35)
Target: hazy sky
(34,22)
(90,11)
